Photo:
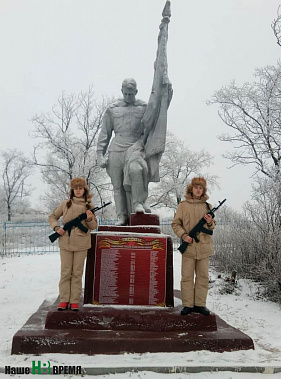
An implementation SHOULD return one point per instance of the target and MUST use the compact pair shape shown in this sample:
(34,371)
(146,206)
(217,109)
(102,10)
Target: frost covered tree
(177,166)
(276,26)
(252,113)
(16,170)
(67,145)
(250,242)
(265,213)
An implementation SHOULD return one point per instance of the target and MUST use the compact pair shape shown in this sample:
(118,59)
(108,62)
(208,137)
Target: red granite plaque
(130,270)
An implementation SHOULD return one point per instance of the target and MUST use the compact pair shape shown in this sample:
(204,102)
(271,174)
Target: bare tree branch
(16,170)
(276,27)
(67,146)
(177,165)
(252,112)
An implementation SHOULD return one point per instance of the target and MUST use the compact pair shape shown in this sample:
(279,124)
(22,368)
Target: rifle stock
(183,246)
(75,222)
(199,228)
(53,237)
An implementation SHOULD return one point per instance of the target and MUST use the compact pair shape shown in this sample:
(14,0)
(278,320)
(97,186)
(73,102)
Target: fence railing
(33,237)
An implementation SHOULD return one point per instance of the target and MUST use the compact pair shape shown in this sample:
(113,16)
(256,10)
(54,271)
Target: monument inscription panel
(130,270)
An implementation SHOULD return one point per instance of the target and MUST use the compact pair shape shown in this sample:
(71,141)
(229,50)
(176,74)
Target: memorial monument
(128,303)
(130,265)
(133,155)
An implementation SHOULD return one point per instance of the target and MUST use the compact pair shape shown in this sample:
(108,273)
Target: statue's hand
(102,161)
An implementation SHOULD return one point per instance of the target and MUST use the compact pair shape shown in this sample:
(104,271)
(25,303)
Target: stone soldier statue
(127,168)
(139,138)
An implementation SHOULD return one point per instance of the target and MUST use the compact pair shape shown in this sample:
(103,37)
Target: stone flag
(155,117)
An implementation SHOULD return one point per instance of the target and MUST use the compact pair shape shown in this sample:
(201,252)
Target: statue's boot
(147,208)
(121,207)
(138,196)
(139,208)
(121,221)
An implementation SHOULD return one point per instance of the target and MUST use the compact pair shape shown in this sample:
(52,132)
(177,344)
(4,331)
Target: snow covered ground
(27,280)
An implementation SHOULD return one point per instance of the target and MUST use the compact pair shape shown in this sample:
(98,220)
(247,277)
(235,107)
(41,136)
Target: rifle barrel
(53,237)
(103,206)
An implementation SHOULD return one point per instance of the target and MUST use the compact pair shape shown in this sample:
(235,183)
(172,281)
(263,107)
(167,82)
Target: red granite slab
(90,265)
(143,219)
(76,333)
(150,319)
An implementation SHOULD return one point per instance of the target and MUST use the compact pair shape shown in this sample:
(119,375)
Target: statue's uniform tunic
(125,120)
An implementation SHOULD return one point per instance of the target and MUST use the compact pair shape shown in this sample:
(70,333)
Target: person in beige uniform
(195,259)
(73,247)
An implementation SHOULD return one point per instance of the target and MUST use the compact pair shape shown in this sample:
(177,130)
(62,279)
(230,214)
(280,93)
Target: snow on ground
(27,280)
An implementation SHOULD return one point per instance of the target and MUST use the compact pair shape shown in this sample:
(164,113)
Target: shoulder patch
(117,103)
(140,103)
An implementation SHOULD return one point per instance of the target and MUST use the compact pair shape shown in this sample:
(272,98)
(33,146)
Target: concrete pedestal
(116,330)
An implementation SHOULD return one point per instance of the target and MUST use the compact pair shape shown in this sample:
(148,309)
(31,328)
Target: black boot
(203,310)
(186,310)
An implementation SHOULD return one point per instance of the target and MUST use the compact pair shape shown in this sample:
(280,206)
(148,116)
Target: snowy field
(26,281)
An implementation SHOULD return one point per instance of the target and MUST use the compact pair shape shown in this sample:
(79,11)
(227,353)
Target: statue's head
(129,90)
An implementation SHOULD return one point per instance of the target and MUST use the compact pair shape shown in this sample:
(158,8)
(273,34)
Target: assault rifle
(200,228)
(76,222)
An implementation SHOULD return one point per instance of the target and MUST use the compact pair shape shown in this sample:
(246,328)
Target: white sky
(65,45)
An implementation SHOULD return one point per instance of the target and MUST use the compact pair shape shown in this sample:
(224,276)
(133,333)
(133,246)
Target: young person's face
(79,191)
(197,190)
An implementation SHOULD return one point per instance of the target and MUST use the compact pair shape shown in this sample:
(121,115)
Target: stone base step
(76,337)
(146,319)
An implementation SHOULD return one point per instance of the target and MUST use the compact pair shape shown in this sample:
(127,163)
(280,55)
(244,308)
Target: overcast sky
(50,46)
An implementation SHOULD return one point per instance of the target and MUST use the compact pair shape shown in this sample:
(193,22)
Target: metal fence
(26,237)
(32,237)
